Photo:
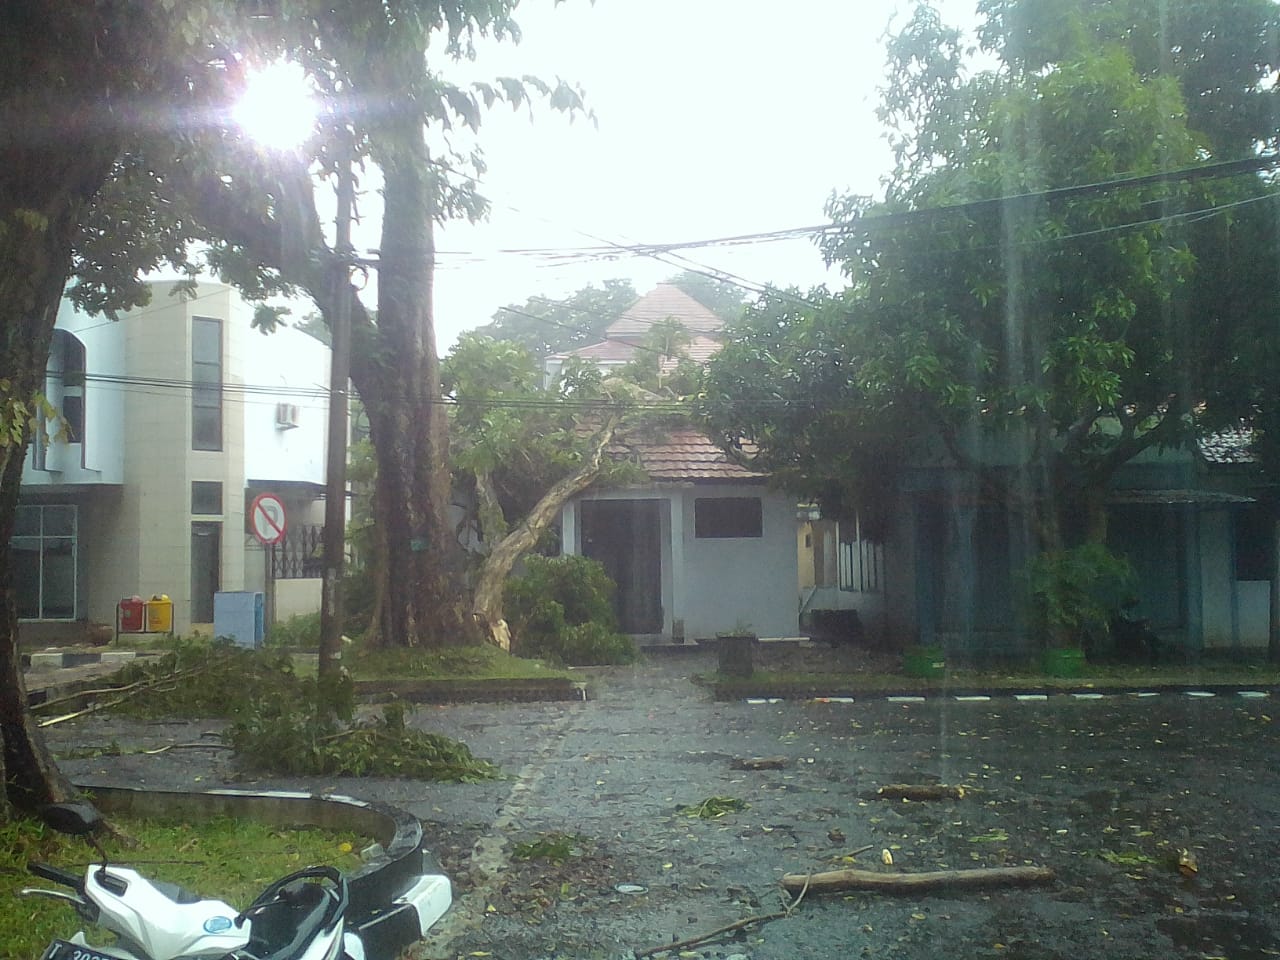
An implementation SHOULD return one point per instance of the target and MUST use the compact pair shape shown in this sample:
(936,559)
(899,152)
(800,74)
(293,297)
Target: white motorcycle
(299,917)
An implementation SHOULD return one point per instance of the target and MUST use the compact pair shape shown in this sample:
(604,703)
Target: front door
(626,537)
(206,569)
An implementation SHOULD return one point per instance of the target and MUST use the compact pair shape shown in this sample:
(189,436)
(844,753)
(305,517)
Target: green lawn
(456,663)
(231,860)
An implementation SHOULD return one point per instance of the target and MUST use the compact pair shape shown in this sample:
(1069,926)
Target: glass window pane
(206,428)
(58,583)
(25,554)
(206,340)
(60,521)
(727,517)
(206,497)
(26,522)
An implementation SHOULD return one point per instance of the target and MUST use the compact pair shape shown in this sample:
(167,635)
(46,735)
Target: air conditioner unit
(286,416)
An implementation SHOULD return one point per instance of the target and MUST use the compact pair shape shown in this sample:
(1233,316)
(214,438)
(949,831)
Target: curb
(471,691)
(395,898)
(1028,695)
(54,660)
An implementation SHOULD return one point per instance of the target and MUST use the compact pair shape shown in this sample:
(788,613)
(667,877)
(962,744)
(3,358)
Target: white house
(170,419)
(705,545)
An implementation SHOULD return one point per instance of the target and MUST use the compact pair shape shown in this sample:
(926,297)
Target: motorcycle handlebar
(47,872)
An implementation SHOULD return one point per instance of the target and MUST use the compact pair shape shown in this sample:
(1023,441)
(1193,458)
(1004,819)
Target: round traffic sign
(266,518)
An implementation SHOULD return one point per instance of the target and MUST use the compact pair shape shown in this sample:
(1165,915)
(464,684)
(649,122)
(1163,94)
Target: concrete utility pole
(335,507)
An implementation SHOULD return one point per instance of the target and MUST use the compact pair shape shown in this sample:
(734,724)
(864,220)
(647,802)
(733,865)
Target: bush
(1073,594)
(300,632)
(560,608)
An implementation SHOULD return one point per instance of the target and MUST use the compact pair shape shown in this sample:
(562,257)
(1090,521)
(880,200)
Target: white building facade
(168,421)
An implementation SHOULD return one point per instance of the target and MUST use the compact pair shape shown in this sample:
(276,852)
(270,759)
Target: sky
(713,118)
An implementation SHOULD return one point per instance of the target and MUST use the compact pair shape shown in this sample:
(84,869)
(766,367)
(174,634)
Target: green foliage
(291,738)
(1072,594)
(992,326)
(300,632)
(224,858)
(555,847)
(561,608)
(286,724)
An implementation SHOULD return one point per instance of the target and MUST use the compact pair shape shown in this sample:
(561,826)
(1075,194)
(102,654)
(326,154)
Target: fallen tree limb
(678,945)
(853,879)
(920,791)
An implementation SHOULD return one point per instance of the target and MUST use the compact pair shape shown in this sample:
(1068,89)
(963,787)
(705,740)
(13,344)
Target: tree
(545,326)
(524,449)
(77,83)
(384,96)
(1035,340)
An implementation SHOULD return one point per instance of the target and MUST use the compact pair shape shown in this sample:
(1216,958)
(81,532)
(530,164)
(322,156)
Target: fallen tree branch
(739,925)
(195,745)
(853,879)
(920,791)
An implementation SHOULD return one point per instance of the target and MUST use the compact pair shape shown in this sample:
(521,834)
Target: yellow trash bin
(160,614)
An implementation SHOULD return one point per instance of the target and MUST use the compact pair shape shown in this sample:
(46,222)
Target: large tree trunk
(486,604)
(42,197)
(408,421)
(394,368)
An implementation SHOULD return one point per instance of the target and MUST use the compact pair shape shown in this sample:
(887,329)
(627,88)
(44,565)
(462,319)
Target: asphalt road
(1105,792)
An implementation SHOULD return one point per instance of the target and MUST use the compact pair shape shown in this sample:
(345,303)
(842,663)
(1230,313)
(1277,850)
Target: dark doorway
(206,569)
(625,536)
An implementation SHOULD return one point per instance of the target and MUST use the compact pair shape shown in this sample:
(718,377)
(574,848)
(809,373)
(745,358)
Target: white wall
(287,366)
(714,584)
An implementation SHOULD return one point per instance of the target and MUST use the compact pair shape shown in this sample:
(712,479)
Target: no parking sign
(267,519)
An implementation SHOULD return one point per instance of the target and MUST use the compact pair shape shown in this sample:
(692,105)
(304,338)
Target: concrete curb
(58,659)
(1022,695)
(395,898)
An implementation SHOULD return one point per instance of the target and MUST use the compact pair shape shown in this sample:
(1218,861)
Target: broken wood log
(920,791)
(853,879)
(758,763)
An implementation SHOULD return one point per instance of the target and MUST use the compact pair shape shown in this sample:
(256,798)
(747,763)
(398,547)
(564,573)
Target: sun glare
(277,108)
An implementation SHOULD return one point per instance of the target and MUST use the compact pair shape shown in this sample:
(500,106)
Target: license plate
(62,950)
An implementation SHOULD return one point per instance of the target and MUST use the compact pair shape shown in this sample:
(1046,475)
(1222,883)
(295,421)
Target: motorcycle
(298,917)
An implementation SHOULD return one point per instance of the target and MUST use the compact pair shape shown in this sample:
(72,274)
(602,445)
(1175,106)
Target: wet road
(1106,792)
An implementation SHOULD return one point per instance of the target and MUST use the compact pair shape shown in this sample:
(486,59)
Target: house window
(727,517)
(206,384)
(44,561)
(206,497)
(1254,544)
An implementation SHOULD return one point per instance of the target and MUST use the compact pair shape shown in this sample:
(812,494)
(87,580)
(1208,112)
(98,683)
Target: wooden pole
(853,879)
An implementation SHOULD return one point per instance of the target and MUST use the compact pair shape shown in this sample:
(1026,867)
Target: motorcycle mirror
(73,819)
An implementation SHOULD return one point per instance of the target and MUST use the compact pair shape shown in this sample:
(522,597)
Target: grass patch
(484,662)
(230,860)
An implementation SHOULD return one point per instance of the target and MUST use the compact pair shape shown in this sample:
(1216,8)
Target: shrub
(1073,594)
(560,608)
(300,632)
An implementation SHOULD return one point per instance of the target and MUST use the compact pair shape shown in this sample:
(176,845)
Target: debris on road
(981,877)
(758,763)
(920,791)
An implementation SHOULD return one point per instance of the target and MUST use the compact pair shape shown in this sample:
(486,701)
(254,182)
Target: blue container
(238,616)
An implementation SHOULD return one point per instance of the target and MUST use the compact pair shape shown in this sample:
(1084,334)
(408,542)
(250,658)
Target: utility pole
(335,506)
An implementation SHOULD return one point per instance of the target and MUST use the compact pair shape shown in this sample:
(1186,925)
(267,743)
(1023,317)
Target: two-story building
(168,421)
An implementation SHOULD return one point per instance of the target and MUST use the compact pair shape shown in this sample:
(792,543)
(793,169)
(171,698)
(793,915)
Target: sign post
(268,522)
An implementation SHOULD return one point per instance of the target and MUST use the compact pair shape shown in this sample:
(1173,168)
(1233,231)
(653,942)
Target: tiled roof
(663,301)
(1228,446)
(687,455)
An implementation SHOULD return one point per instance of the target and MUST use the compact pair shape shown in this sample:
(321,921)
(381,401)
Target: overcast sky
(715,118)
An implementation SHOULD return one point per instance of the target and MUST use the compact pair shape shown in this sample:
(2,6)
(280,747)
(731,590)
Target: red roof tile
(687,455)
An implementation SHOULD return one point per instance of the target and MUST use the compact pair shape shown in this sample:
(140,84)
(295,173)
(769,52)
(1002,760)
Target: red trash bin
(129,614)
